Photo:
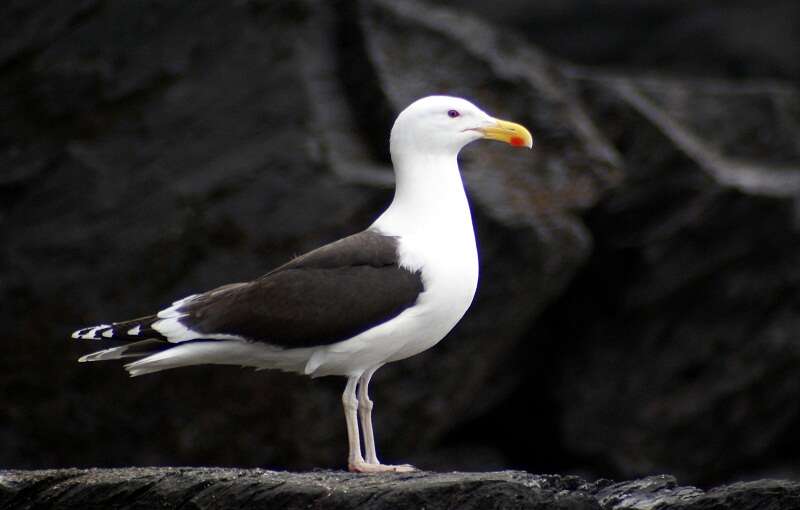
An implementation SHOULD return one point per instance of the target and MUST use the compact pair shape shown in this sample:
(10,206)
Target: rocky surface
(639,290)
(207,488)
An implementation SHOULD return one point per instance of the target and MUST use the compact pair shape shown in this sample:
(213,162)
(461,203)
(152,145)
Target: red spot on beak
(517,141)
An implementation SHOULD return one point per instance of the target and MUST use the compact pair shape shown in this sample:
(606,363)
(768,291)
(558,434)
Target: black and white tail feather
(142,339)
(154,342)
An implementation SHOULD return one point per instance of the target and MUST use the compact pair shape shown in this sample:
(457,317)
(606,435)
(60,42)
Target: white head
(442,125)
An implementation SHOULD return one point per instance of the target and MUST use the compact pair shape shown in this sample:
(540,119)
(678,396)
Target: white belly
(450,278)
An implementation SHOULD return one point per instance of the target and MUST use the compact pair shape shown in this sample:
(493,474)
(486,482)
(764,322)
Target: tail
(132,330)
(143,339)
(132,350)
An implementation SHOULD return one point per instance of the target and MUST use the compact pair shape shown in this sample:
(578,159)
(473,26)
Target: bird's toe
(366,467)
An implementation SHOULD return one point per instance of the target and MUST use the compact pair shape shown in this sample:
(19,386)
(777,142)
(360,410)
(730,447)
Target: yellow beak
(509,132)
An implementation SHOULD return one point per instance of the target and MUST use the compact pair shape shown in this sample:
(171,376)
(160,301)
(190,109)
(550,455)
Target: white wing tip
(90,332)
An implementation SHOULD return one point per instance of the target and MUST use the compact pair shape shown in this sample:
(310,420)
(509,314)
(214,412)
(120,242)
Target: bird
(350,307)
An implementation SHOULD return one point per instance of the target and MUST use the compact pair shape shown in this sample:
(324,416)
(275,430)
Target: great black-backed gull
(352,306)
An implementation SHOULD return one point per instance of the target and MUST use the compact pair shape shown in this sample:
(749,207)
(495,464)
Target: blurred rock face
(151,152)
(688,365)
(740,39)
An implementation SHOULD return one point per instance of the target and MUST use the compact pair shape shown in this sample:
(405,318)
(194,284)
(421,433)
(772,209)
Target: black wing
(322,297)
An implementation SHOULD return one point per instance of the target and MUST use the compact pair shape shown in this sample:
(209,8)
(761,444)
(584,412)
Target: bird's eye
(453,114)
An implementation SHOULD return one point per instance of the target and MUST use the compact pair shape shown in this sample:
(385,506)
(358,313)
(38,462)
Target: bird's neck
(429,197)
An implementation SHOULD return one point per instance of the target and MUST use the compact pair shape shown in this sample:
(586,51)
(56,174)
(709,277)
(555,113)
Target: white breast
(449,267)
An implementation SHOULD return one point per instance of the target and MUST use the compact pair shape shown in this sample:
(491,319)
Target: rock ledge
(192,488)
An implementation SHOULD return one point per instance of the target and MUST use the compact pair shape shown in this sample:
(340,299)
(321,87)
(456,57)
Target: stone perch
(195,488)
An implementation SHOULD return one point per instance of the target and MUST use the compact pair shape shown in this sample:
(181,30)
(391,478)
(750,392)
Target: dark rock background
(639,299)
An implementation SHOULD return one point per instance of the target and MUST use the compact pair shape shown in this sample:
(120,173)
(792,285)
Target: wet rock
(240,488)
(663,492)
(228,488)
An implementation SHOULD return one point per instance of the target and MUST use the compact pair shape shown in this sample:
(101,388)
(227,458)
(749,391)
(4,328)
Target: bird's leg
(350,404)
(365,414)
(372,464)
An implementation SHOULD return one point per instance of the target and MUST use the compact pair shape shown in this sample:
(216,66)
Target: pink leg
(350,404)
(372,464)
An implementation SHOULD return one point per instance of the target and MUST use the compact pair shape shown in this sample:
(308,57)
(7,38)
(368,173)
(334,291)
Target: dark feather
(325,296)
